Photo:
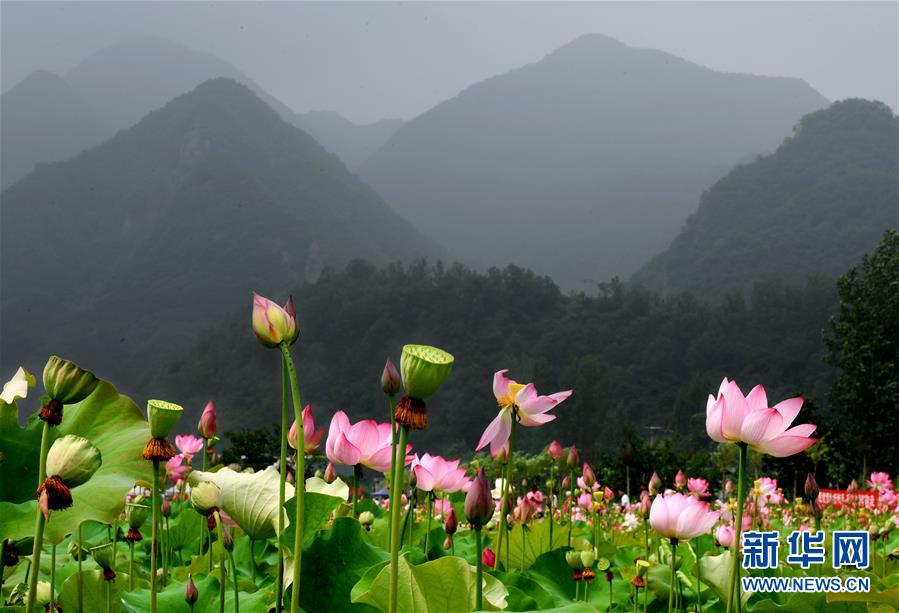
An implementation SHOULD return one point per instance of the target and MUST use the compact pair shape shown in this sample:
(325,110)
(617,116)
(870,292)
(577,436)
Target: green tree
(863,344)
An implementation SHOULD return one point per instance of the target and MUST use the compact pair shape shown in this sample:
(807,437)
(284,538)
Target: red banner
(837,498)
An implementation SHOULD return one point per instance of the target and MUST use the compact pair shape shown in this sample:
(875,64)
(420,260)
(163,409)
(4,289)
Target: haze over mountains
(129,249)
(584,164)
(118,85)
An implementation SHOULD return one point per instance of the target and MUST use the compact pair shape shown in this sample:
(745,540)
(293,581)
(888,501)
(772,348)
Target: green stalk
(698,586)
(355,489)
(166,554)
(570,501)
(299,481)
(218,533)
(108,596)
(673,575)
(80,579)
(38,521)
(479,574)
(282,470)
(552,470)
(430,514)
(391,404)
(736,603)
(130,566)
(253,559)
(203,530)
(508,486)
(399,463)
(52,576)
(234,582)
(154,542)
(521,567)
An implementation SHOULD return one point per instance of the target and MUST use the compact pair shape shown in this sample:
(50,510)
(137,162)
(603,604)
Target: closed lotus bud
(488,557)
(608,494)
(390,379)
(574,560)
(448,542)
(166,507)
(205,497)
(566,482)
(729,486)
(811,488)
(163,417)
(573,457)
(227,539)
(424,369)
(450,524)
(366,518)
(67,382)
(654,484)
(680,480)
(588,558)
(852,487)
(502,454)
(273,324)
(73,459)
(588,476)
(555,451)
(190,591)
(207,426)
(479,501)
(330,473)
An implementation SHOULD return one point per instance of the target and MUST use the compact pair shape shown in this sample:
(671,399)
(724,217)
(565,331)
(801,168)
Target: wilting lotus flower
(366,442)
(520,402)
(676,516)
(311,436)
(734,418)
(434,474)
(188,445)
(207,426)
(17,387)
(724,534)
(555,451)
(273,324)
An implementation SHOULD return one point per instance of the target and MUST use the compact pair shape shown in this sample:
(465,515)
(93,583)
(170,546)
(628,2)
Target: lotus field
(104,507)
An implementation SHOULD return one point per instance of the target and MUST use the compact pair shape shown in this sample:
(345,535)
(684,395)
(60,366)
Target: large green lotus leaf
(109,420)
(794,603)
(445,584)
(95,592)
(716,574)
(171,599)
(336,488)
(528,544)
(250,499)
(888,597)
(318,504)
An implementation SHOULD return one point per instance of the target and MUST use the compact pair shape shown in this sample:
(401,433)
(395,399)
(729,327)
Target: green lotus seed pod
(642,567)
(136,513)
(73,459)
(163,417)
(366,518)
(603,564)
(588,558)
(42,596)
(205,496)
(67,382)
(573,558)
(103,555)
(424,369)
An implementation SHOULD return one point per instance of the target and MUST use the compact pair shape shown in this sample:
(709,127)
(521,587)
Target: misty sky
(376,60)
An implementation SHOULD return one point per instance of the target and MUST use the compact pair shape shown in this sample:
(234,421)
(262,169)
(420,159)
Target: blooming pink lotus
(698,487)
(880,481)
(434,474)
(676,516)
(735,418)
(724,534)
(175,469)
(366,442)
(518,401)
(311,436)
(188,445)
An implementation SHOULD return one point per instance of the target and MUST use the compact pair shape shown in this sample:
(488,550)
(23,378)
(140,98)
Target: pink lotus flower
(273,324)
(518,401)
(175,468)
(724,534)
(207,426)
(585,501)
(555,451)
(700,487)
(676,516)
(433,473)
(680,480)
(880,482)
(488,558)
(366,442)
(188,445)
(311,436)
(734,418)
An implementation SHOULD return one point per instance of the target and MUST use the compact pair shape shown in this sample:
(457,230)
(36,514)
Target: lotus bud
(166,507)
(680,481)
(330,473)
(729,486)
(366,518)
(104,556)
(488,557)
(448,542)
(573,457)
(588,476)
(227,539)
(502,454)
(852,487)
(811,488)
(66,383)
(273,324)
(390,379)
(207,426)
(608,494)
(654,484)
(206,498)
(450,524)
(190,591)
(424,369)
(566,482)
(588,557)
(555,451)
(574,560)
(479,501)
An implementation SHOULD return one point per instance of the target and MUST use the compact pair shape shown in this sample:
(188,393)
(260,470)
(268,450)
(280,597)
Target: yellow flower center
(507,401)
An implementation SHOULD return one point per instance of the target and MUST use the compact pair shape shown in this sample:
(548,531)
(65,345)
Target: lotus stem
(399,463)
(154,541)
(736,603)
(282,470)
(570,501)
(234,582)
(80,578)
(130,566)
(253,560)
(38,521)
(552,470)
(356,470)
(52,576)
(504,523)
(218,532)
(203,529)
(299,481)
(108,596)
(523,537)
(479,574)
(698,585)
(671,588)
(391,405)
(428,530)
